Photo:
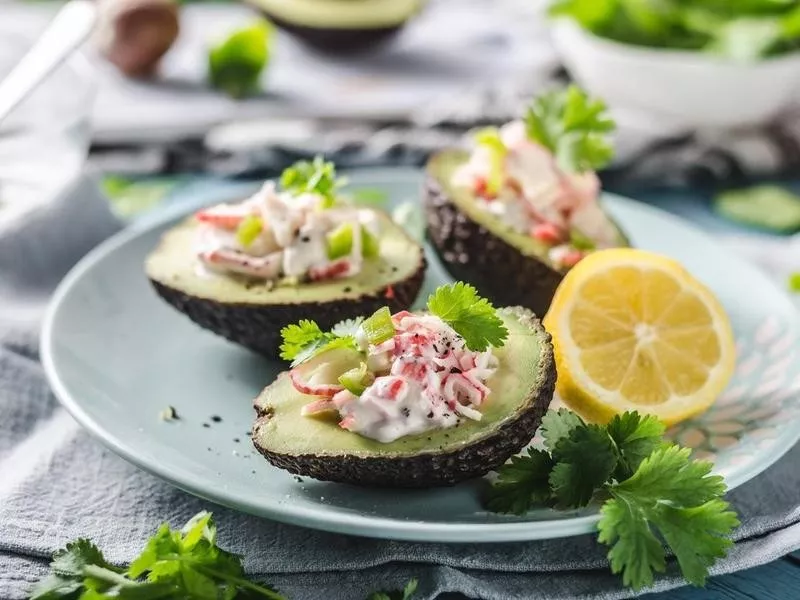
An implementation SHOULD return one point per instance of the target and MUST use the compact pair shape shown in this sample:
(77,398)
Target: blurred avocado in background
(340,26)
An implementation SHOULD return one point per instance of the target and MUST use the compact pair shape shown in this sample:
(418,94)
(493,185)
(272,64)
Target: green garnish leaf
(521,483)
(650,491)
(357,380)
(236,63)
(298,336)
(305,340)
(573,127)
(636,437)
(472,317)
(557,425)
(490,138)
(379,327)
(248,230)
(315,177)
(765,206)
(678,498)
(585,459)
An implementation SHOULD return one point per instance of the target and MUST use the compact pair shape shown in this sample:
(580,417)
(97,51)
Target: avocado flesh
(339,26)
(251,313)
(476,246)
(521,391)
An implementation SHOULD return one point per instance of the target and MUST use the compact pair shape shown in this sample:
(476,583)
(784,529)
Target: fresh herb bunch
(651,492)
(743,30)
(236,63)
(185,563)
(457,304)
(313,177)
(573,127)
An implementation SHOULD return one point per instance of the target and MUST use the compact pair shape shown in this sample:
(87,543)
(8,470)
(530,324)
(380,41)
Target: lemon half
(634,330)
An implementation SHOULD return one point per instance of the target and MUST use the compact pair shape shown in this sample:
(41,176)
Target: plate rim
(315,517)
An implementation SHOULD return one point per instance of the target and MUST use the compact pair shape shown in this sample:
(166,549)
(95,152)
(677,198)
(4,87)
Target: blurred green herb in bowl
(740,30)
(130,198)
(235,64)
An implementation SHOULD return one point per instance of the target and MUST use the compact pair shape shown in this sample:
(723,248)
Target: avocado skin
(341,41)
(430,469)
(473,254)
(258,326)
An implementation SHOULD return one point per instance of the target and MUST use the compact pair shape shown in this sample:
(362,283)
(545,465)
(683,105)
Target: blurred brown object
(135,34)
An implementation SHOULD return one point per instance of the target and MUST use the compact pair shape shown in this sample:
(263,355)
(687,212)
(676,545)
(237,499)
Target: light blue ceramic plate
(117,356)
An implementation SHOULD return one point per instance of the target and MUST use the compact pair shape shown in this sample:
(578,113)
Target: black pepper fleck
(455,370)
(430,415)
(236,440)
(394,269)
(305,239)
(406,412)
(206,425)
(298,479)
(347,290)
(216,418)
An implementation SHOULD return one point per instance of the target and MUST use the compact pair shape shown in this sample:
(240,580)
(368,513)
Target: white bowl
(677,88)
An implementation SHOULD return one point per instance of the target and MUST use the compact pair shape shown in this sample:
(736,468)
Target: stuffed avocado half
(419,399)
(512,214)
(246,270)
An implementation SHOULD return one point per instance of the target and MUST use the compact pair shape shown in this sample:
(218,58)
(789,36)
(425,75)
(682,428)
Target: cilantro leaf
(573,127)
(635,550)
(669,473)
(677,497)
(521,483)
(636,437)
(557,425)
(585,459)
(472,317)
(305,340)
(299,336)
(697,535)
(314,177)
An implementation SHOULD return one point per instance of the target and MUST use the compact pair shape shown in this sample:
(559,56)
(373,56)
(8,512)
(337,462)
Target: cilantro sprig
(305,339)
(652,493)
(573,126)
(313,177)
(472,317)
(185,563)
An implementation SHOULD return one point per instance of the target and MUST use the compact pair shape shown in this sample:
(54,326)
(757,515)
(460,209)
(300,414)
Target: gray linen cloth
(57,483)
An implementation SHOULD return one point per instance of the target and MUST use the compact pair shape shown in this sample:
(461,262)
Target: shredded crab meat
(292,241)
(429,380)
(536,196)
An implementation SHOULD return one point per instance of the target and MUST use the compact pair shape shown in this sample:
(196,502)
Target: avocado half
(521,391)
(252,314)
(339,26)
(508,267)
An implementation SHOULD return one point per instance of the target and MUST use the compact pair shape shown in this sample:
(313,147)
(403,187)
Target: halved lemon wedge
(634,330)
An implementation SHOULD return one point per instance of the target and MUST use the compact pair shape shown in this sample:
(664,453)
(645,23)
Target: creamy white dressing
(535,190)
(292,242)
(433,382)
